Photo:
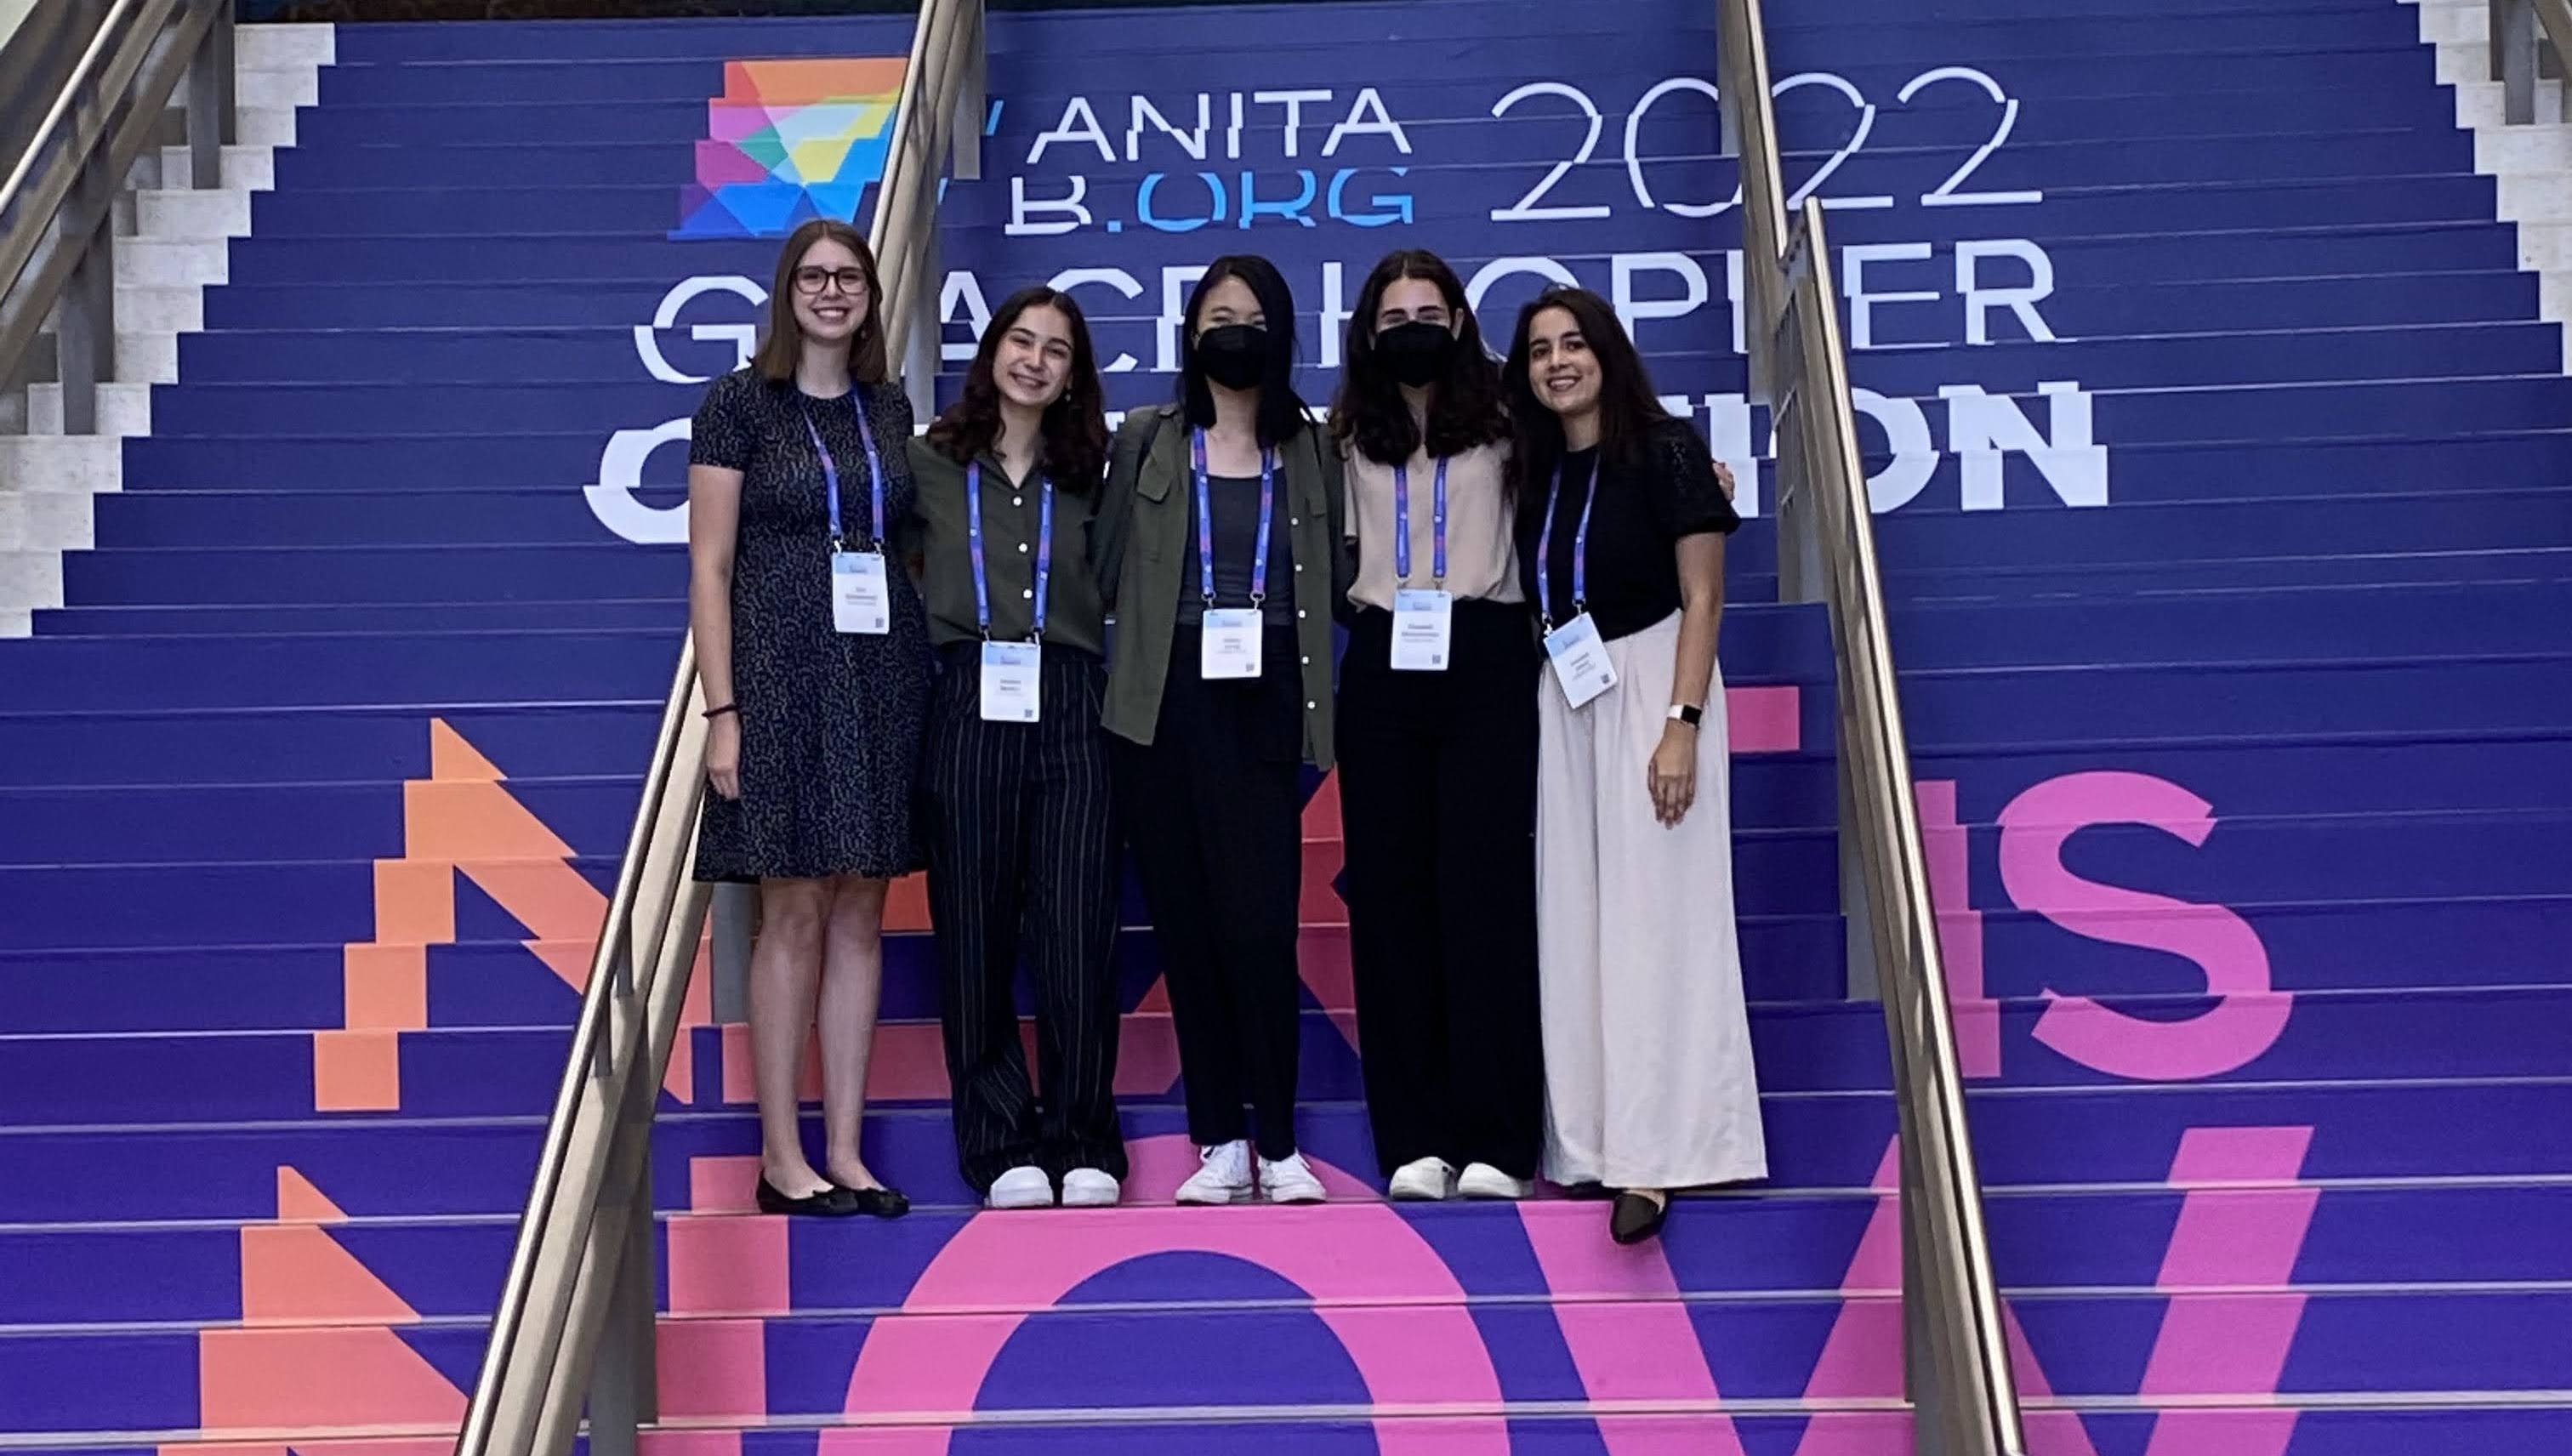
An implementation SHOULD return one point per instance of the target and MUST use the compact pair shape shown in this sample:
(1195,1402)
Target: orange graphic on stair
(462,819)
(318,1347)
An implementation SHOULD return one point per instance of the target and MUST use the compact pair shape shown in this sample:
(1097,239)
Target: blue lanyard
(1205,521)
(1402,524)
(1579,550)
(830,472)
(973,549)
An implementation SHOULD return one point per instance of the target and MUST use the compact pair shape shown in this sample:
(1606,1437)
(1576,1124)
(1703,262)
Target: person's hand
(1672,775)
(1723,478)
(723,755)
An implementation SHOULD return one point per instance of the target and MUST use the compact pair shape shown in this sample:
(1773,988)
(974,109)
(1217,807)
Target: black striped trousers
(1023,857)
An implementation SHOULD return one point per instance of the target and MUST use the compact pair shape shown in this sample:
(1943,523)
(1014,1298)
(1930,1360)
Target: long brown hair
(1465,408)
(1074,452)
(784,347)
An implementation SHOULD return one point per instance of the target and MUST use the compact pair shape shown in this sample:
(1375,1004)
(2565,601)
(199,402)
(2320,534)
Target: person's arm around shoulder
(1111,529)
(910,533)
(1696,500)
(719,451)
(1333,462)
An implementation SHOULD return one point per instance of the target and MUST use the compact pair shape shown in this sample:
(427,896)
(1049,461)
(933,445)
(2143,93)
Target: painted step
(457,191)
(254,823)
(2428,145)
(511,983)
(425,576)
(2430,463)
(2381,47)
(399,43)
(176,823)
(2293,411)
(2217,355)
(1071,1357)
(2114,702)
(325,743)
(2239,625)
(619,305)
(1805,1243)
(214,1078)
(70,674)
(665,616)
(2052,1138)
(2484,1429)
(2442,222)
(2308,947)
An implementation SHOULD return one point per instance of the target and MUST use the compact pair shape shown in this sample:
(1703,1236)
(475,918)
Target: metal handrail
(56,227)
(575,1309)
(2530,40)
(19,242)
(1957,1361)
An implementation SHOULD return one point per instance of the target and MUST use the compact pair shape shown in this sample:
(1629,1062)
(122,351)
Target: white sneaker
(1088,1188)
(1223,1175)
(1424,1179)
(1021,1187)
(1482,1181)
(1289,1180)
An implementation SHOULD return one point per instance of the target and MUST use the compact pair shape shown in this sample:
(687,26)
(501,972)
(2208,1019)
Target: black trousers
(1214,815)
(1019,822)
(1438,804)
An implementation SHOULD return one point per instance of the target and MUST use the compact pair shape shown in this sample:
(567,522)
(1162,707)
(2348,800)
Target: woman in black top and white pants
(1649,1078)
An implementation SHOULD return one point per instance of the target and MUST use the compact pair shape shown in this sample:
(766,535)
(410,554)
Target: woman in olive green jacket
(1219,549)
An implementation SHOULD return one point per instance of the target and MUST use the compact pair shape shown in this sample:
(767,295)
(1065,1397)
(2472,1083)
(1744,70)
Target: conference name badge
(1423,628)
(861,603)
(1230,643)
(1009,685)
(1581,665)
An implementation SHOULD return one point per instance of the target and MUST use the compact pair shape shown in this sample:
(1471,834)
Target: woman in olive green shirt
(1219,549)
(1013,782)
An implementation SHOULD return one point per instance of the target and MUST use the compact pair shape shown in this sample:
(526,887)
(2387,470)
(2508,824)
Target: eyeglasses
(852,281)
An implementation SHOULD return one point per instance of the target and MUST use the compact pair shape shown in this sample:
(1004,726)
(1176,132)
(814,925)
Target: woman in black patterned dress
(813,647)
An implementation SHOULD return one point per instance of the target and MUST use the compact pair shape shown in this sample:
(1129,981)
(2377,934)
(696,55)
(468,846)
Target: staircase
(172,245)
(2221,444)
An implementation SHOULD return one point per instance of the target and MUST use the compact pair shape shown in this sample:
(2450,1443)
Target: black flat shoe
(875,1202)
(832,1202)
(1636,1218)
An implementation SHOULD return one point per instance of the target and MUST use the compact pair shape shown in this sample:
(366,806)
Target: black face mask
(1416,352)
(1234,356)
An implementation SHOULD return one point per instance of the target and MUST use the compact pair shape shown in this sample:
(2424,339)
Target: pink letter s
(2248,1018)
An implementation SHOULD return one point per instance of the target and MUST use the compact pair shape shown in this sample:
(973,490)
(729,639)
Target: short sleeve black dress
(831,722)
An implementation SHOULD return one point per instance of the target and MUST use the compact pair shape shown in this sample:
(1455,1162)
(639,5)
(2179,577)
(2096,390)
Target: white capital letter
(1078,124)
(1907,434)
(1692,278)
(1980,300)
(1853,262)
(1367,117)
(1982,429)
(1114,277)
(1024,209)
(620,475)
(1293,101)
(744,336)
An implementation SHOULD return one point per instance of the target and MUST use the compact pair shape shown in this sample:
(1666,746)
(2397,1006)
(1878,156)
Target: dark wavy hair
(784,347)
(1628,409)
(1074,452)
(1281,409)
(1465,408)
